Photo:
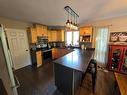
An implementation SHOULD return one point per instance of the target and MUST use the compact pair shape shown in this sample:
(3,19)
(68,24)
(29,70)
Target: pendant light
(72,22)
(76,25)
(68,22)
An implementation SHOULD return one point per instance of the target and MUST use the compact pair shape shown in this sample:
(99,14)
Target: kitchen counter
(78,59)
(59,52)
(39,55)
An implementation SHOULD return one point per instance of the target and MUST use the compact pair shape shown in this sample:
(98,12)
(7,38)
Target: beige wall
(14,24)
(118,24)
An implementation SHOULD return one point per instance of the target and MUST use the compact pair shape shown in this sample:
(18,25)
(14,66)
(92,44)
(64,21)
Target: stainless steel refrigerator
(6,72)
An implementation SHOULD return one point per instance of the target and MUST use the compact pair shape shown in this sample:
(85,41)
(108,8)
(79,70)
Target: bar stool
(92,69)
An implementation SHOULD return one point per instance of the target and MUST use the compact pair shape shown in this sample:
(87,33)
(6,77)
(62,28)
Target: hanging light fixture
(72,23)
(76,25)
(68,22)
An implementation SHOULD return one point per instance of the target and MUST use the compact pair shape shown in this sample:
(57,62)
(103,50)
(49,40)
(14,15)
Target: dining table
(121,80)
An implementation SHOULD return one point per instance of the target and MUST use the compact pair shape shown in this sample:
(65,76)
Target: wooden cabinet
(56,35)
(60,35)
(39,58)
(117,60)
(86,33)
(49,35)
(41,30)
(45,31)
(59,52)
(32,35)
(35,31)
(87,30)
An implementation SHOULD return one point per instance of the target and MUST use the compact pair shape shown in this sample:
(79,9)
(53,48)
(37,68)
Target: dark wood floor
(40,81)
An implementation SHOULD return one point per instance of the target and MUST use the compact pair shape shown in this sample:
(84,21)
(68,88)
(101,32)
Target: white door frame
(8,60)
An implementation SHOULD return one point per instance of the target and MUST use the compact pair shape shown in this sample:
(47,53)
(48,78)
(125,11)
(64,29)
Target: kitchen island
(69,68)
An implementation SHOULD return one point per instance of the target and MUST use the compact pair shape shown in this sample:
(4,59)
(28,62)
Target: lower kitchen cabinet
(36,58)
(39,58)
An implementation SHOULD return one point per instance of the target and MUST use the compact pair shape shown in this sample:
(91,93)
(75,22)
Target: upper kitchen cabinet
(41,30)
(53,35)
(35,31)
(86,34)
(56,35)
(45,31)
(59,35)
(32,35)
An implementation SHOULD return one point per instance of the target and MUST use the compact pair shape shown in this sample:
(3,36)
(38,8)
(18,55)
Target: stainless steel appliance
(42,42)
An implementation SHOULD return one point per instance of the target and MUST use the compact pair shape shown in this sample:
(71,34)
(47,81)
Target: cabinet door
(49,35)
(54,35)
(86,30)
(39,58)
(115,58)
(45,31)
(123,67)
(33,35)
(39,30)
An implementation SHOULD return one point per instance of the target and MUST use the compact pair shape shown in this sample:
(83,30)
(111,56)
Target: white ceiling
(51,12)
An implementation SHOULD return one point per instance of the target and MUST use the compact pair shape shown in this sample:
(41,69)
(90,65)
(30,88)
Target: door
(18,44)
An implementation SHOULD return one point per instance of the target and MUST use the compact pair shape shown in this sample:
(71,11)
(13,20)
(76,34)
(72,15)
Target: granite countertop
(78,59)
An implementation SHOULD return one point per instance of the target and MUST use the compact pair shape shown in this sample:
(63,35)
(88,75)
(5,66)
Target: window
(72,38)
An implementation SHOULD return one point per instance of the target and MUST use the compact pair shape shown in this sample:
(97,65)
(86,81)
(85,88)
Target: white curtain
(101,44)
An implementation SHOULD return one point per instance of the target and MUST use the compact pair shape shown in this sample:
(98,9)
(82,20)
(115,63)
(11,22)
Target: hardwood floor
(104,84)
(40,81)
(37,81)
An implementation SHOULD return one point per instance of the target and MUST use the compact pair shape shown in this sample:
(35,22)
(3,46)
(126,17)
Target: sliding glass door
(72,38)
